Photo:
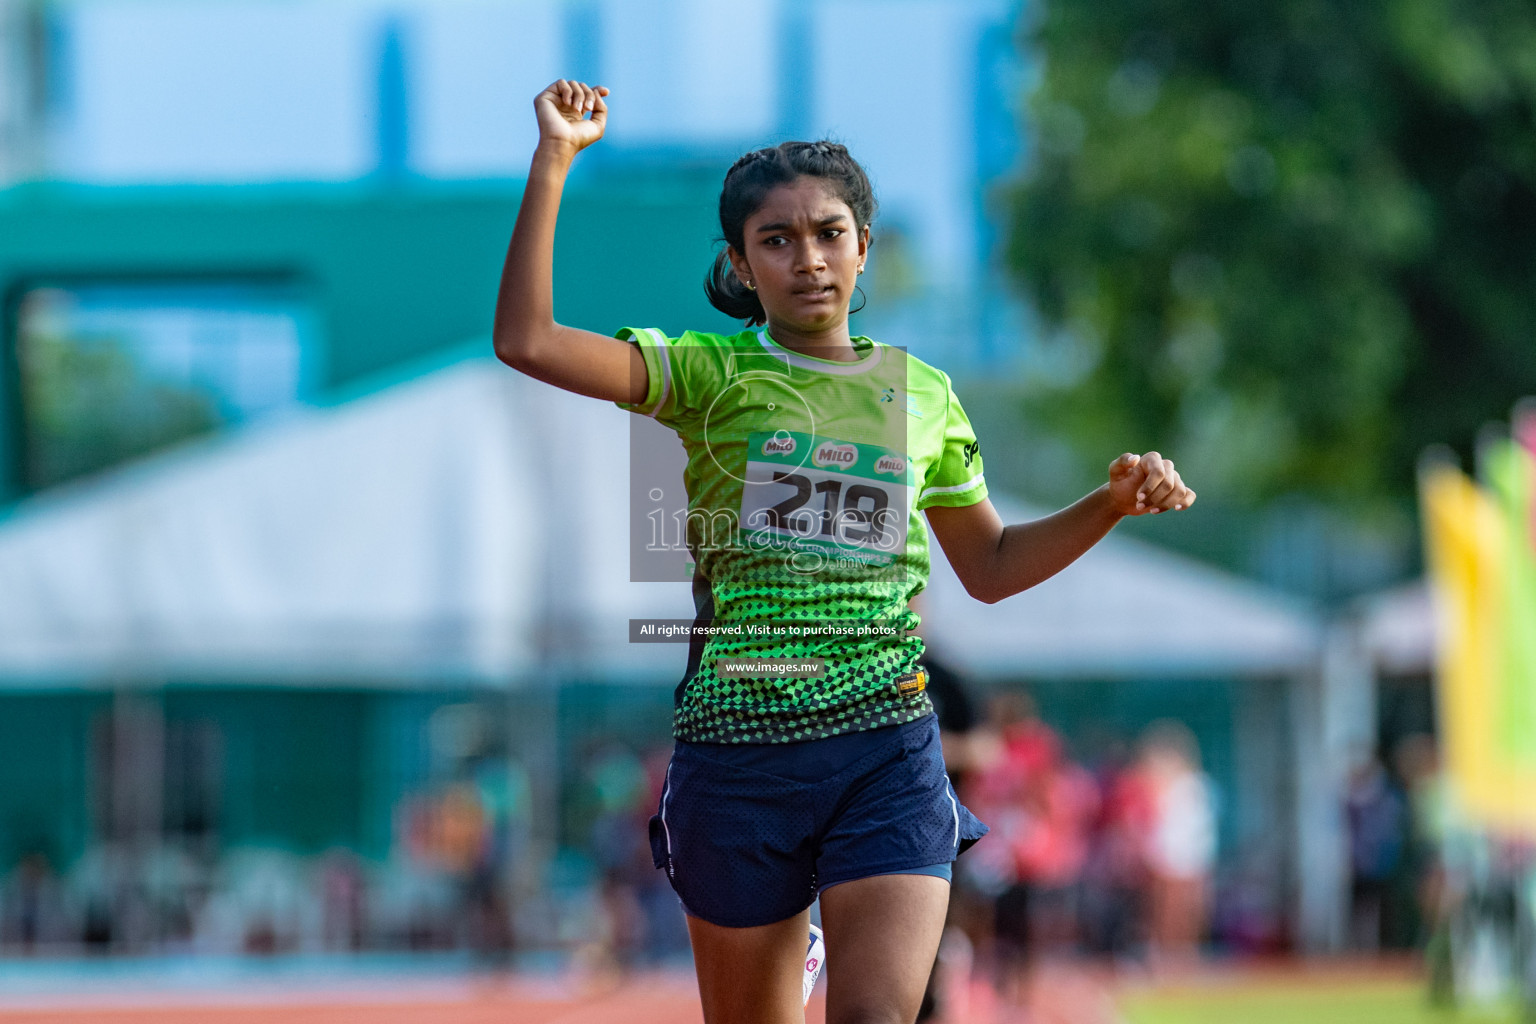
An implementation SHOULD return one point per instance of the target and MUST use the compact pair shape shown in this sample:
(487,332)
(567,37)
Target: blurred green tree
(90,405)
(1290,242)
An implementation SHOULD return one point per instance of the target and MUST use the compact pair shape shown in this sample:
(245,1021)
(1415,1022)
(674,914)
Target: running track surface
(1068,997)
(660,1000)
(1063,994)
(1071,998)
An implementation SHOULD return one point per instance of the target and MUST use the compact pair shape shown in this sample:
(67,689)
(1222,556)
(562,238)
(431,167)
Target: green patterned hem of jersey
(700,721)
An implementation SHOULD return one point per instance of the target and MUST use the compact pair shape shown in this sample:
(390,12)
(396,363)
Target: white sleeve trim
(660,341)
(958,488)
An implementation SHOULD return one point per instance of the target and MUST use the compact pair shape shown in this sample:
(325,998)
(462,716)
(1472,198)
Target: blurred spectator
(949,980)
(1115,876)
(1182,842)
(32,910)
(1039,806)
(1376,816)
(619,794)
(343,908)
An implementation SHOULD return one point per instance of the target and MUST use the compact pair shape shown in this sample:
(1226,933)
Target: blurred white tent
(405,536)
(1125,610)
(470,524)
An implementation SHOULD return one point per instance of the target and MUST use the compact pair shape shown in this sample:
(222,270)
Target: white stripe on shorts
(666,833)
(954,806)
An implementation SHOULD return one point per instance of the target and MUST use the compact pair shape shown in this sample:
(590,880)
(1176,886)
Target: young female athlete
(807,761)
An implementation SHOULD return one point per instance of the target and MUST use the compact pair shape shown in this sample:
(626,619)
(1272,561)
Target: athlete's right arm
(526,335)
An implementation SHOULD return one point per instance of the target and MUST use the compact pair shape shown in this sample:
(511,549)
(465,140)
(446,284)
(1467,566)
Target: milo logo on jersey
(823,498)
(838,456)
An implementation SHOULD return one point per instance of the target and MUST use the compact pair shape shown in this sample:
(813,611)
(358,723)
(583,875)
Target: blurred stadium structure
(313,619)
(386,548)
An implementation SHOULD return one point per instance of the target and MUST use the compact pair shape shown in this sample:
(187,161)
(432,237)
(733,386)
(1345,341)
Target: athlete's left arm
(996,561)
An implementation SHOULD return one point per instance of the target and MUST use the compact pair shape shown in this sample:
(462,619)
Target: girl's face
(803,253)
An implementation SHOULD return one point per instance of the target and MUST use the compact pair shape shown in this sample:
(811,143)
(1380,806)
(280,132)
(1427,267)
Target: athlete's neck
(833,343)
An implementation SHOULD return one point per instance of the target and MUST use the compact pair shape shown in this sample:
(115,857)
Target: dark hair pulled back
(748,183)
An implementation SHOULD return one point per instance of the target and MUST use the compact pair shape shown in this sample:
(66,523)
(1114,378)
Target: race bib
(841,499)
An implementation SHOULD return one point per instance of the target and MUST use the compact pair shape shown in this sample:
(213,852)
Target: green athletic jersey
(805,477)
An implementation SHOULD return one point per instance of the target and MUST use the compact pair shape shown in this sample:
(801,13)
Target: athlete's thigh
(751,975)
(882,935)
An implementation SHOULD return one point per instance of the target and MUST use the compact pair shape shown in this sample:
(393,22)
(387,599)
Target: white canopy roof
(472,525)
(1126,609)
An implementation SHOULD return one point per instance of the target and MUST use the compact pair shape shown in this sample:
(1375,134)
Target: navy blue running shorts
(751,833)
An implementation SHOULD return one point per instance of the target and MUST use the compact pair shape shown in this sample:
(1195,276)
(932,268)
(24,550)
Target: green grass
(1372,1002)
